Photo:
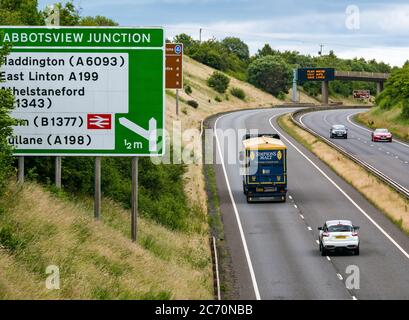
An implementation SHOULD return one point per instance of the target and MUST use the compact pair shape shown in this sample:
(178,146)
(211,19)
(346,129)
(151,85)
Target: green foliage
(20,12)
(270,73)
(97,21)
(396,91)
(218,99)
(69,14)
(6,105)
(218,81)
(161,194)
(186,40)
(221,55)
(193,103)
(237,47)
(188,89)
(238,93)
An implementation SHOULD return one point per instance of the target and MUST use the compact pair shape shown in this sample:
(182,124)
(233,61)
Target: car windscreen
(381,131)
(340,228)
(339,127)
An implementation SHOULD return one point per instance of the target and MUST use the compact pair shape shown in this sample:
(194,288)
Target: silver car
(338,131)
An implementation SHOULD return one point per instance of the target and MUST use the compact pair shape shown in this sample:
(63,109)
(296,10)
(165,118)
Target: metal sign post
(97,188)
(134,213)
(177,102)
(58,161)
(20,178)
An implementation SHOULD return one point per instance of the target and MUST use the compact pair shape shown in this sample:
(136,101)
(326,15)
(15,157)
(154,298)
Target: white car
(338,234)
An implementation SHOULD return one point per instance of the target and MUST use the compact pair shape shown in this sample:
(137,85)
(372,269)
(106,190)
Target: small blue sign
(178,49)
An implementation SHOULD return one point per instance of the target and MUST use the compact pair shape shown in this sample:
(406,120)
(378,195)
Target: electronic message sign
(315,74)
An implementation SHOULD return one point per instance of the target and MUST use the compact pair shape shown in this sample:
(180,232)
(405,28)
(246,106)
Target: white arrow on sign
(150,134)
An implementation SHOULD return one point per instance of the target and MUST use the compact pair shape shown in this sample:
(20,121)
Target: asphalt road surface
(274,247)
(392,159)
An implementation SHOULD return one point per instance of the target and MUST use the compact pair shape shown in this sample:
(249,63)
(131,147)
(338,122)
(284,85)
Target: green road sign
(86,91)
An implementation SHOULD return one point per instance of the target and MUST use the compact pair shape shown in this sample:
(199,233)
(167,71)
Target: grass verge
(391,119)
(227,283)
(96,259)
(391,203)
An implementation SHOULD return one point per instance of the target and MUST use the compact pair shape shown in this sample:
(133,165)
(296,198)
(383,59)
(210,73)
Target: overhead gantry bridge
(327,74)
(379,78)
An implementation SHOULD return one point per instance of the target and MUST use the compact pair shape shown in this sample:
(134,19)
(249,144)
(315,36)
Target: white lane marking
(343,192)
(295,206)
(301,216)
(328,258)
(317,241)
(406,162)
(201,128)
(290,197)
(325,119)
(354,298)
(363,128)
(309,228)
(243,238)
(216,262)
(340,276)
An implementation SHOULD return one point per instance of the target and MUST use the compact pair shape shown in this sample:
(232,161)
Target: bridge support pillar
(379,87)
(324,93)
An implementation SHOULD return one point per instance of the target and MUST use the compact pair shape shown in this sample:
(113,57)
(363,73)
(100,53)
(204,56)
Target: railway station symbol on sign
(86,91)
(174,66)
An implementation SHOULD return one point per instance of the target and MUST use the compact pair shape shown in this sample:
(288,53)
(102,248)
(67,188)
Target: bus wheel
(248,199)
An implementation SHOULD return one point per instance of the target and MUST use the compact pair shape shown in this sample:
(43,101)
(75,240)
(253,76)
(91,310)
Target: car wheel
(244,188)
(323,251)
(390,140)
(346,137)
(357,251)
(331,136)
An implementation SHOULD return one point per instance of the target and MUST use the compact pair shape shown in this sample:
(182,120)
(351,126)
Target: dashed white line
(363,128)
(309,228)
(340,276)
(317,241)
(290,197)
(302,217)
(328,258)
(343,192)
(295,206)
(354,298)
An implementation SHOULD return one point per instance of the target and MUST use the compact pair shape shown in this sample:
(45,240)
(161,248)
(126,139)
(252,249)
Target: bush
(6,105)
(271,74)
(238,93)
(193,103)
(218,81)
(188,89)
(218,99)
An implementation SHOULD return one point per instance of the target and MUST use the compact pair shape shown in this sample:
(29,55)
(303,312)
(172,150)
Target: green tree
(97,21)
(187,41)
(237,47)
(6,105)
(271,74)
(20,12)
(218,81)
(69,14)
(266,51)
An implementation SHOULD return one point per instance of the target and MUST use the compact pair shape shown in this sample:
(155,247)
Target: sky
(371,29)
